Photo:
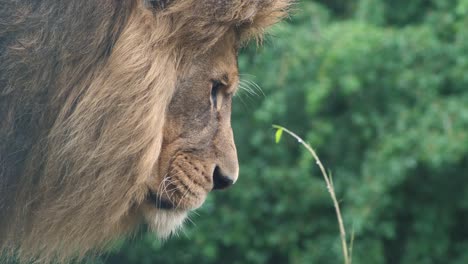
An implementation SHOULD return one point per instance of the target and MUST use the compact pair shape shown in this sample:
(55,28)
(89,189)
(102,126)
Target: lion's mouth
(160,202)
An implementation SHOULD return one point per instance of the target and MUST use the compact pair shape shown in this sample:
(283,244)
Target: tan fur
(86,124)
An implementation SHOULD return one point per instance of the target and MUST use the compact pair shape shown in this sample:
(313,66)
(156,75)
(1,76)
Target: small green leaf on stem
(278,134)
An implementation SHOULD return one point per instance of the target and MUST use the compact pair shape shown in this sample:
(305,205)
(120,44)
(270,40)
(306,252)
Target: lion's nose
(221,180)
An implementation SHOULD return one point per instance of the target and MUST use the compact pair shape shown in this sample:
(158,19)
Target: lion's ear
(157,4)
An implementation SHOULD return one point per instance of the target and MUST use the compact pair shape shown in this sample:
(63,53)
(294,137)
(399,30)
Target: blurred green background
(380,89)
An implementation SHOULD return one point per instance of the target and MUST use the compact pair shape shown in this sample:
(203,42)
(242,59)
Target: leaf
(278,135)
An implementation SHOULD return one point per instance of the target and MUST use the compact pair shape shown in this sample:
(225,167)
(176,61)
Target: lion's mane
(84,86)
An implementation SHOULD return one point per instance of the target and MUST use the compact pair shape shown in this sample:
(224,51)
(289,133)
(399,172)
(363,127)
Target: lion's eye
(215,87)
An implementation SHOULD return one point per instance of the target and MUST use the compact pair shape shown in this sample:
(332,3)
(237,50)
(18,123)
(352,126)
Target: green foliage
(380,89)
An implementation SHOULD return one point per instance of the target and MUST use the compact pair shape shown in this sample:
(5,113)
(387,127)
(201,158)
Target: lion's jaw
(164,222)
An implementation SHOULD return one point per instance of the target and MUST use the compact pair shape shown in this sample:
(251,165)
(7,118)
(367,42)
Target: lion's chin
(164,222)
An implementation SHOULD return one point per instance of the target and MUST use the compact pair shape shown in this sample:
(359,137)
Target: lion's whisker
(183,197)
(161,186)
(190,220)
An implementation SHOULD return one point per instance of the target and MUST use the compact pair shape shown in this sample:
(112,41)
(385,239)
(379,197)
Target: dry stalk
(330,187)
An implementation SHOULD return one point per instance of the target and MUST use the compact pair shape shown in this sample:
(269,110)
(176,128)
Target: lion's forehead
(209,20)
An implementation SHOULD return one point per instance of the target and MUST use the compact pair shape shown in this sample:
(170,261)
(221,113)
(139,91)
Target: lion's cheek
(164,222)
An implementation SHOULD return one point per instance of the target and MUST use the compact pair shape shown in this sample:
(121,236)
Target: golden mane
(84,86)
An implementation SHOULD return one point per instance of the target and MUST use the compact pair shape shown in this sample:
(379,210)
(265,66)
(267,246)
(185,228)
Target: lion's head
(113,113)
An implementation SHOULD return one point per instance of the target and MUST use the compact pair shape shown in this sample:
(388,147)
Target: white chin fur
(165,222)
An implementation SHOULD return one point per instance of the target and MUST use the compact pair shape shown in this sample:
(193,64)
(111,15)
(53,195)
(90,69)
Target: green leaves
(278,134)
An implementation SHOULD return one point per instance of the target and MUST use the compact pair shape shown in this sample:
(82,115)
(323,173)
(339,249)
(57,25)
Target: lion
(113,114)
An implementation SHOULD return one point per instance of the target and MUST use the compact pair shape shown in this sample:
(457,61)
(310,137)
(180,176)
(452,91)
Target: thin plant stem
(331,190)
(351,244)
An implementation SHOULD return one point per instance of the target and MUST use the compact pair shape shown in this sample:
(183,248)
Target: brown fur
(84,129)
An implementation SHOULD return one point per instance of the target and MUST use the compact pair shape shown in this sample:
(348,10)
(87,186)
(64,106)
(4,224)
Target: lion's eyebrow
(225,79)
(234,86)
(232,83)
